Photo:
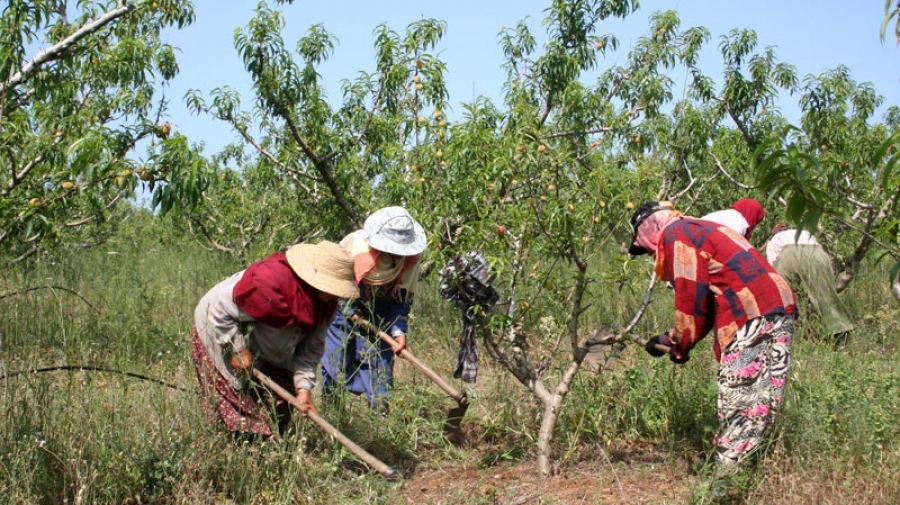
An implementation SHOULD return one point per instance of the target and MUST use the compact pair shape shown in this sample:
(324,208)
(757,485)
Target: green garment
(810,266)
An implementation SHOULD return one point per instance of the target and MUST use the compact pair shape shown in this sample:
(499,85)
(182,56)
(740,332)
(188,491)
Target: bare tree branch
(732,179)
(59,49)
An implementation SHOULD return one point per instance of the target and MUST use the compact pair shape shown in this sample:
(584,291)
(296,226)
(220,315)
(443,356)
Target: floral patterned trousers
(753,373)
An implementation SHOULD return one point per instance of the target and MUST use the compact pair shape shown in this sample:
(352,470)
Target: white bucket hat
(393,230)
(324,266)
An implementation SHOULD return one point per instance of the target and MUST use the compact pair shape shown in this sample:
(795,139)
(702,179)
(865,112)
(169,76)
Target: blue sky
(812,35)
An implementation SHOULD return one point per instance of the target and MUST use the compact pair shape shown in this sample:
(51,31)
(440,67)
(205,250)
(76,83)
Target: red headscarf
(271,293)
(752,211)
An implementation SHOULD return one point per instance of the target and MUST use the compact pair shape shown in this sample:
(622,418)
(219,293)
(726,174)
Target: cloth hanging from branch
(466,280)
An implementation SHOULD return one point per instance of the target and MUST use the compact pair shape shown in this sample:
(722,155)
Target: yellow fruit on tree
(541,148)
(438,153)
(416,78)
(571,207)
(35,202)
(126,172)
(551,187)
(600,44)
(68,185)
(438,113)
(442,123)
(420,63)
(629,205)
(419,86)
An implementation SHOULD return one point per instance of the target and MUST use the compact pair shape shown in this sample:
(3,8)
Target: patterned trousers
(753,373)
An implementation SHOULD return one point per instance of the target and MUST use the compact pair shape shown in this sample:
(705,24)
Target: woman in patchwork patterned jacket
(722,284)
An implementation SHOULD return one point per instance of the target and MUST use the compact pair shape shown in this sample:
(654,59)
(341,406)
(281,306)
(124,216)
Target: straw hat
(324,266)
(393,230)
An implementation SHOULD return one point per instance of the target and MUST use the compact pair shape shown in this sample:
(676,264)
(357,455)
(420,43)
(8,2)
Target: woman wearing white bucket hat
(272,316)
(386,261)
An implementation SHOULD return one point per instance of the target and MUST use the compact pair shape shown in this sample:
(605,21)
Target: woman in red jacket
(722,284)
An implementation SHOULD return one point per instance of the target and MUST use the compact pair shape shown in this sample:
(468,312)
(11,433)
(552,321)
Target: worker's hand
(679,359)
(659,340)
(242,360)
(401,343)
(306,403)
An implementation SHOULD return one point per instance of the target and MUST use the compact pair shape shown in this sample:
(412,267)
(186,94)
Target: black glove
(662,339)
(679,361)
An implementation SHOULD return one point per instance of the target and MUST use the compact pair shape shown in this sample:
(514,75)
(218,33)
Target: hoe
(370,460)
(454,417)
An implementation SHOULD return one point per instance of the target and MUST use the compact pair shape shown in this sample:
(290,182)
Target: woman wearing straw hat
(272,316)
(386,263)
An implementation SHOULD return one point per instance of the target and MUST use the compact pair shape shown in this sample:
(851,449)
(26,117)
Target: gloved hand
(662,339)
(679,360)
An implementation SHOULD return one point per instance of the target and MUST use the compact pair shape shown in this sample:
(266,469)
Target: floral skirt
(253,409)
(753,373)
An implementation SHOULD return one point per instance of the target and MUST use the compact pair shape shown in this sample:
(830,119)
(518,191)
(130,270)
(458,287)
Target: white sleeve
(219,319)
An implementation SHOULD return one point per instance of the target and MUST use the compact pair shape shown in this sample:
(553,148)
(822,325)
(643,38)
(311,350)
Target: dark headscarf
(271,293)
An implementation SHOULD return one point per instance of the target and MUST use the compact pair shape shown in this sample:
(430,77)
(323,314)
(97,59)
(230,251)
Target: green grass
(100,437)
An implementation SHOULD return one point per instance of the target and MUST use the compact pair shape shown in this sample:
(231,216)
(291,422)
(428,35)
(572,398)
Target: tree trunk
(552,404)
(552,407)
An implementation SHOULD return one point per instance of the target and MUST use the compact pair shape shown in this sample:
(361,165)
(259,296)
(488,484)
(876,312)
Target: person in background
(722,284)
(272,316)
(799,258)
(386,255)
(742,217)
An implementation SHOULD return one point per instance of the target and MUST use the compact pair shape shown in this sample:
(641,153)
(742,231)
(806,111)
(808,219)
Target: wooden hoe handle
(459,396)
(372,461)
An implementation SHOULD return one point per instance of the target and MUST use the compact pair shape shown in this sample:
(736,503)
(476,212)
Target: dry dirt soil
(632,477)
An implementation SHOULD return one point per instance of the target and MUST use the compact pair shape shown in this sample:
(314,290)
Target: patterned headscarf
(651,229)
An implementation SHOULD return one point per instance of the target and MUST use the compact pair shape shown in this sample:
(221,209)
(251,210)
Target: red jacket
(720,282)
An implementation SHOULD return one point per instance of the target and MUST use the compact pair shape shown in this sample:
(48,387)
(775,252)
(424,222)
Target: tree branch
(59,49)
(732,179)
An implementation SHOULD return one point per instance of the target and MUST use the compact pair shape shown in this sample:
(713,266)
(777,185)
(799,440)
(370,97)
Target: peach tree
(80,98)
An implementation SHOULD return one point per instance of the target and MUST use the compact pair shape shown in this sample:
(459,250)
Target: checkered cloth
(466,280)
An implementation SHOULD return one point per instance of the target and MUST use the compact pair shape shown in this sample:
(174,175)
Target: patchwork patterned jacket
(721,282)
